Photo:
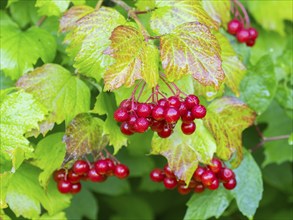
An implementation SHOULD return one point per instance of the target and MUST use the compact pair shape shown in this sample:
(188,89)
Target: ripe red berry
(73,177)
(59,175)
(171,115)
(188,117)
(226,174)
(121,171)
(75,188)
(143,110)
(121,114)
(101,166)
(166,132)
(125,128)
(111,167)
(198,172)
(191,101)
(80,167)
(174,102)
(199,111)
(141,125)
(94,176)
(215,166)
(168,172)
(158,126)
(126,103)
(234,26)
(253,34)
(64,186)
(170,183)
(192,184)
(131,120)
(242,35)
(188,128)
(158,113)
(183,190)
(182,109)
(250,42)
(214,185)
(199,188)
(208,177)
(231,184)
(163,103)
(157,175)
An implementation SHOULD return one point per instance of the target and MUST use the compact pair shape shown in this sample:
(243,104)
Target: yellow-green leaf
(145,4)
(208,92)
(192,49)
(134,59)
(219,11)
(52,7)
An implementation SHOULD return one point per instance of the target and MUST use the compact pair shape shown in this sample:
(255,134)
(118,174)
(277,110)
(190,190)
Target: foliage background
(267,88)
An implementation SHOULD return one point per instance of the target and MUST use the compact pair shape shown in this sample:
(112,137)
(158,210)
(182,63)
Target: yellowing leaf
(232,66)
(52,7)
(184,152)
(226,118)
(135,59)
(219,11)
(84,135)
(192,49)
(145,4)
(208,92)
(169,14)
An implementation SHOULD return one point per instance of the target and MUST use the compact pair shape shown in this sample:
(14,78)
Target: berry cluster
(203,177)
(68,181)
(160,116)
(243,35)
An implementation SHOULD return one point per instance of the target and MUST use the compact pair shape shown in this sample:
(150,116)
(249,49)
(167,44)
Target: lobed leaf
(172,13)
(226,118)
(219,11)
(134,59)
(192,49)
(208,92)
(184,152)
(52,7)
(145,4)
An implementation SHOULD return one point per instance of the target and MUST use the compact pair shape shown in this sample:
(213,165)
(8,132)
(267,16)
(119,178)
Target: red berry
(131,120)
(199,188)
(126,103)
(198,172)
(242,35)
(183,190)
(234,26)
(231,184)
(214,185)
(59,175)
(168,172)
(125,128)
(141,125)
(188,117)
(170,183)
(158,126)
(111,166)
(182,109)
(253,34)
(192,184)
(143,110)
(173,101)
(250,42)
(157,175)
(94,176)
(64,186)
(166,132)
(188,128)
(171,115)
(190,101)
(158,113)
(73,177)
(121,114)
(75,188)
(80,167)
(208,177)
(121,171)
(101,166)
(163,103)
(215,166)
(226,174)
(199,111)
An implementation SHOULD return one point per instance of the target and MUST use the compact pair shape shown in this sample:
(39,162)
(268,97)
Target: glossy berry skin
(59,175)
(163,103)
(242,35)
(208,177)
(198,173)
(250,42)
(216,165)
(171,115)
(101,166)
(188,117)
(170,183)
(226,174)
(143,110)
(64,186)
(234,26)
(199,111)
(166,132)
(182,109)
(168,172)
(80,167)
(199,188)
(121,171)
(75,188)
(192,184)
(183,190)
(191,101)
(158,113)
(174,102)
(111,167)
(131,120)
(125,128)
(214,185)
(253,34)
(141,125)
(157,175)
(94,176)
(73,177)
(121,115)
(126,103)
(188,128)
(158,126)
(231,184)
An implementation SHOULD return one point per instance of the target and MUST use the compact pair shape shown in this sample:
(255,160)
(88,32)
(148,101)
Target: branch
(269,139)
(41,20)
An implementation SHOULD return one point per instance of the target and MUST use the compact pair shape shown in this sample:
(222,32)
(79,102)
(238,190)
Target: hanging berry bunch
(240,25)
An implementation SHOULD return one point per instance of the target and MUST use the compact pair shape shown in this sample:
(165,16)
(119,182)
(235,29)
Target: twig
(99,4)
(41,20)
(268,139)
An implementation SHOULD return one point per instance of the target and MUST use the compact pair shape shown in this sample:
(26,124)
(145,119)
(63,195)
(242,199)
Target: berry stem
(144,12)
(246,17)
(141,90)
(167,84)
(269,139)
(99,4)
(41,21)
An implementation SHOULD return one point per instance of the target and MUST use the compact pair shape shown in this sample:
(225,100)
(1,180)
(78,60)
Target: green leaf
(192,49)
(208,92)
(5,82)
(5,180)
(169,14)
(59,216)
(144,5)
(208,204)
(84,204)
(52,7)
(134,59)
(65,96)
(105,104)
(49,155)
(17,54)
(271,19)
(78,2)
(232,66)
(184,152)
(259,85)
(84,135)
(279,124)
(222,115)
(20,113)
(248,191)
(219,11)
(90,38)
(290,139)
